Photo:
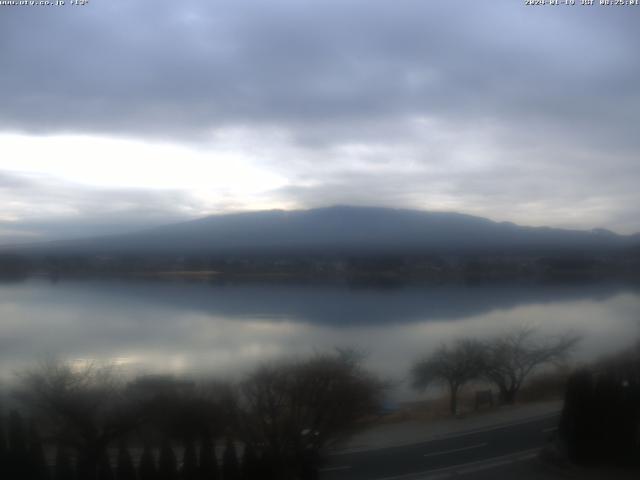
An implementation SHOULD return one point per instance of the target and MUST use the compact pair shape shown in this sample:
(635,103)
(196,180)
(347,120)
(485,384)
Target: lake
(148,326)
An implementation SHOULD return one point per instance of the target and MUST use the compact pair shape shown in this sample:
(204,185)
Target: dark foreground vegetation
(600,420)
(600,423)
(74,423)
(88,424)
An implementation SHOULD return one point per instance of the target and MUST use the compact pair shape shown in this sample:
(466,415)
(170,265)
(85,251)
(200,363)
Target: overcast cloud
(527,114)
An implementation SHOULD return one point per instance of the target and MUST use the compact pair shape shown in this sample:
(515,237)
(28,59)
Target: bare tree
(81,407)
(511,357)
(179,408)
(293,410)
(452,366)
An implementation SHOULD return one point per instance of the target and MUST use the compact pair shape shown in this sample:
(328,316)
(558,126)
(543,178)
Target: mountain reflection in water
(150,326)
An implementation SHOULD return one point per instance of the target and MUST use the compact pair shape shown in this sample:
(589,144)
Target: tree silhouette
(250,464)
(84,405)
(3,448)
(63,469)
(18,456)
(125,469)
(147,468)
(37,462)
(86,465)
(88,410)
(267,465)
(208,462)
(296,407)
(230,465)
(105,472)
(452,366)
(601,415)
(511,357)
(167,464)
(189,462)
(177,408)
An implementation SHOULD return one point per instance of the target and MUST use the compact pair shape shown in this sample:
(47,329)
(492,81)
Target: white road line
(496,461)
(453,470)
(444,452)
(437,438)
(335,469)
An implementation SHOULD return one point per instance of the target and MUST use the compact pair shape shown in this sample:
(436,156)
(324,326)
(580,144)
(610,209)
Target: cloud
(512,112)
(43,208)
(164,69)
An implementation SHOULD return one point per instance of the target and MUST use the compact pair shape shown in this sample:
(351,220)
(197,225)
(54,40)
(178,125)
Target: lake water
(154,326)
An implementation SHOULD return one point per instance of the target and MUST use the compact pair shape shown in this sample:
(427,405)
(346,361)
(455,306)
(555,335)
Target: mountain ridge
(342,228)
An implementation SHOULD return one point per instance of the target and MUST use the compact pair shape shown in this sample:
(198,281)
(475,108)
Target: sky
(120,115)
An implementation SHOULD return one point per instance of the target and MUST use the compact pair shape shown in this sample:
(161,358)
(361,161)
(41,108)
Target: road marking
(550,429)
(436,438)
(444,452)
(334,469)
(479,465)
(452,470)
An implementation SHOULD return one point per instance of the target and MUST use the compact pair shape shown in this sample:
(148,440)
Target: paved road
(432,456)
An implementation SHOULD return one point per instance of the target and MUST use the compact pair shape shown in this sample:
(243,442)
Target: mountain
(343,229)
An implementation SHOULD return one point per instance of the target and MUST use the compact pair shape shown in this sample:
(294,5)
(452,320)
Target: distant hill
(343,229)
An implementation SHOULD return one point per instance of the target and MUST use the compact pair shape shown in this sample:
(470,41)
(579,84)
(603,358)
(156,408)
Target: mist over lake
(180,327)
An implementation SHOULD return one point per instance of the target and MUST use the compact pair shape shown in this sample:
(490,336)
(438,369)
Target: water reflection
(226,329)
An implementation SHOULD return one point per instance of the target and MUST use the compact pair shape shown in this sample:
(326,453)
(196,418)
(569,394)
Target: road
(433,456)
